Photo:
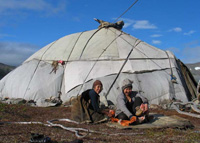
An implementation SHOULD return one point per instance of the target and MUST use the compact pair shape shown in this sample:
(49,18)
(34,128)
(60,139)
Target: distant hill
(195,70)
(5,69)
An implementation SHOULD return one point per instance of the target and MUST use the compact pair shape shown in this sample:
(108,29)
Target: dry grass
(12,133)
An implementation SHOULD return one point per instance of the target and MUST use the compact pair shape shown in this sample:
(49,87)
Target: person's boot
(138,111)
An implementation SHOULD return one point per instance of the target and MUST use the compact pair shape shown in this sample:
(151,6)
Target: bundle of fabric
(121,122)
(82,111)
(133,120)
(124,122)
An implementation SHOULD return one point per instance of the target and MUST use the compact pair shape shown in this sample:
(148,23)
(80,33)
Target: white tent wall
(80,45)
(107,54)
(156,86)
(87,70)
(105,46)
(44,83)
(144,50)
(61,49)
(38,55)
(15,85)
(106,81)
(33,81)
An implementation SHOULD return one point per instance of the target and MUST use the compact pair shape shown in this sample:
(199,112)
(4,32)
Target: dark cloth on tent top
(82,110)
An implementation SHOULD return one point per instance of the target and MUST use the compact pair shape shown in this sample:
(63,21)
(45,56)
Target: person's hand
(105,111)
(144,107)
(128,98)
(133,119)
(130,116)
(108,112)
(111,113)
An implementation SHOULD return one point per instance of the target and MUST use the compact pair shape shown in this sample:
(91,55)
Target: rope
(125,11)
(169,63)
(74,130)
(193,106)
(50,124)
(186,113)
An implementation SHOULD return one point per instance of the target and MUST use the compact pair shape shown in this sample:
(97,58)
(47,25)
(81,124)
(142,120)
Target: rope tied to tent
(116,24)
(173,77)
(55,65)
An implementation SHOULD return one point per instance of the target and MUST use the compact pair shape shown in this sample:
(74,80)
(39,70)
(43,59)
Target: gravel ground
(14,133)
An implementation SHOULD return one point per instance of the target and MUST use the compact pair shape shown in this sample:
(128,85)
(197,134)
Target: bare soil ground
(14,133)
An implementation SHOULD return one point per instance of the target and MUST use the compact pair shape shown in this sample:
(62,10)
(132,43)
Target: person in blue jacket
(86,108)
(94,95)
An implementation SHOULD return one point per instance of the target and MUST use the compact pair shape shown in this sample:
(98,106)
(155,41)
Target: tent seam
(68,59)
(98,60)
(88,42)
(36,69)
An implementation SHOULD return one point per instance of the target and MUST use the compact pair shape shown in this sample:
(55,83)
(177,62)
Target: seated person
(86,108)
(130,104)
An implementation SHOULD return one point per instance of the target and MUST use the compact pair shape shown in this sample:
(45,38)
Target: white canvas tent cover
(107,54)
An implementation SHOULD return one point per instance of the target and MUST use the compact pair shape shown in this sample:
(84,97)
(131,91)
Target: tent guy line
(126,11)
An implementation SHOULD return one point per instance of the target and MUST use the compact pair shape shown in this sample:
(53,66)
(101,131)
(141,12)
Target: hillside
(5,69)
(195,70)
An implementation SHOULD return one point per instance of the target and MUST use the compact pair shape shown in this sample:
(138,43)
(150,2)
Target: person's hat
(97,82)
(126,83)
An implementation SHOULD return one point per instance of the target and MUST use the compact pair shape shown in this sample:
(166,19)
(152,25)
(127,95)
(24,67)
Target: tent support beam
(122,66)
